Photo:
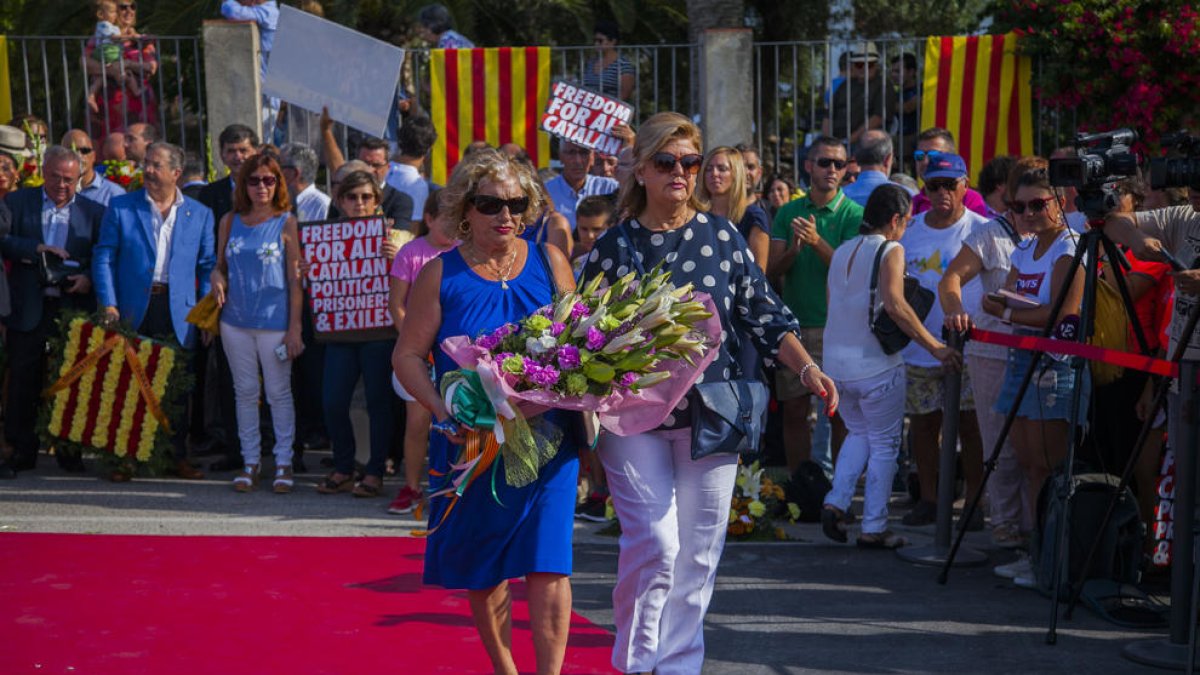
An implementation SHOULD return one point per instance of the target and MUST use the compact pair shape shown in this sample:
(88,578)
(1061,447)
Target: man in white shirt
(91,184)
(415,140)
(932,240)
(576,182)
(299,165)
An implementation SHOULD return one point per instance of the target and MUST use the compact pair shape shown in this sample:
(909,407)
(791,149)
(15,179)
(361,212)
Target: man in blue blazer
(152,263)
(54,223)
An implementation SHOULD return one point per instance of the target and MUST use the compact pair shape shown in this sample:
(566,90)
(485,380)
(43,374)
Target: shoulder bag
(921,299)
(727,416)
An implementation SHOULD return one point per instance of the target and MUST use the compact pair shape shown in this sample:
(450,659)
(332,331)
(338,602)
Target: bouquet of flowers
(626,353)
(124,173)
(756,501)
(31,168)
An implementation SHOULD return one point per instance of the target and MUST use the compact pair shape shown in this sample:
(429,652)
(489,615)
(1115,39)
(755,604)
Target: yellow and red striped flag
(978,88)
(495,94)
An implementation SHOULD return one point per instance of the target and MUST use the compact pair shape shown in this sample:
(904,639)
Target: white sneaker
(1022,566)
(1025,580)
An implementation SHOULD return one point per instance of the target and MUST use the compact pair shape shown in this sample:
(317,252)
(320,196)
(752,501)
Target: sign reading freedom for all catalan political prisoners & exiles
(348,274)
(584,117)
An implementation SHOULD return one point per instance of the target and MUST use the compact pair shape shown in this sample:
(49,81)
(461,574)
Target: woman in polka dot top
(673,509)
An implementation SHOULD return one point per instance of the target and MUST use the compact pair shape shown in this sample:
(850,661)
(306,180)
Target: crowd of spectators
(145,256)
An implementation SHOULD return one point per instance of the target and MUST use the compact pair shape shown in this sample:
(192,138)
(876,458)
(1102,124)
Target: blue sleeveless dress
(482,542)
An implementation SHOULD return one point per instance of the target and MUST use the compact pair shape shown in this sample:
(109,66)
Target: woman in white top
(872,382)
(1039,271)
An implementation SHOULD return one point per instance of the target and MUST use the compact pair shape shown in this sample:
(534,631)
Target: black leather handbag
(921,299)
(727,417)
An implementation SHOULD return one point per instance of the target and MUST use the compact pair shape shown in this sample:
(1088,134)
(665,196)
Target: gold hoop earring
(520,228)
(464,229)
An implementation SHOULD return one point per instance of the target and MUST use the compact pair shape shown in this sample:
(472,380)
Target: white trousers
(1007,487)
(673,513)
(873,410)
(246,350)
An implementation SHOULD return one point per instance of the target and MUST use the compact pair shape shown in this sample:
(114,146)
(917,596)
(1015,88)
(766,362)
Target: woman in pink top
(435,240)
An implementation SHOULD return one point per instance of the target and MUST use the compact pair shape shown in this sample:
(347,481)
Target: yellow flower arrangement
(757,501)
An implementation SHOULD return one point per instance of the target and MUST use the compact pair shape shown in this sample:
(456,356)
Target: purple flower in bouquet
(595,338)
(488,342)
(568,357)
(557,328)
(627,380)
(541,376)
(579,311)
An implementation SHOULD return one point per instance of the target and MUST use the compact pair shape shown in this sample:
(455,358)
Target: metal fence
(62,81)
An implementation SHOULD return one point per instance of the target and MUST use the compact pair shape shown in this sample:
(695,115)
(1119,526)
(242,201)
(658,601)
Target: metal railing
(53,77)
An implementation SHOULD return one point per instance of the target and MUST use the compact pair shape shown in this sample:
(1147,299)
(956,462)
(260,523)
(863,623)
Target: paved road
(805,607)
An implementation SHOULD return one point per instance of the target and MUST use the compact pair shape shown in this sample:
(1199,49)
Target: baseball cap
(945,165)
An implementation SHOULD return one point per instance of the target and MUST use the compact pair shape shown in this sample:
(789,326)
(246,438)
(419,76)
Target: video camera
(1101,160)
(1177,171)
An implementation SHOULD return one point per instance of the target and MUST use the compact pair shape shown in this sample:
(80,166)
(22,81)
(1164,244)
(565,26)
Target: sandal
(283,480)
(329,486)
(833,523)
(247,479)
(881,540)
(365,489)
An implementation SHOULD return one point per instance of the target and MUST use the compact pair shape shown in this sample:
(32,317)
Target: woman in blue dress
(495,532)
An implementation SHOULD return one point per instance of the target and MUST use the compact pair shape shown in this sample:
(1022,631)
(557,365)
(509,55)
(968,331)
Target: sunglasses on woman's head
(826,162)
(490,206)
(665,162)
(265,181)
(937,185)
(1034,205)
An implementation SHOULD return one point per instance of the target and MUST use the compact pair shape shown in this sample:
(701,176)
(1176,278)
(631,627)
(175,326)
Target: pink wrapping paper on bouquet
(624,413)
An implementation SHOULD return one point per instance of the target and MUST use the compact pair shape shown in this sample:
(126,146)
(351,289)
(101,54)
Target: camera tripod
(1086,257)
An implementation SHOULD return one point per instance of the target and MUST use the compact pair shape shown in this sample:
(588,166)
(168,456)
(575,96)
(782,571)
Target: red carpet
(97,604)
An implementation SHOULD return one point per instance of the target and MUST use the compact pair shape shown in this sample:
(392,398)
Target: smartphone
(281,352)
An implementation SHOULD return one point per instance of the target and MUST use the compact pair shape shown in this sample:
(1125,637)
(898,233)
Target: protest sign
(317,63)
(584,117)
(348,274)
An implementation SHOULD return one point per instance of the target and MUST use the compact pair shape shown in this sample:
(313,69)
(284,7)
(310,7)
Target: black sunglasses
(947,184)
(255,181)
(131,6)
(490,206)
(83,151)
(826,162)
(1035,205)
(665,162)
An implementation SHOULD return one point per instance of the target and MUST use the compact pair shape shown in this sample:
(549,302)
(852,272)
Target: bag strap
(1009,229)
(875,281)
(623,228)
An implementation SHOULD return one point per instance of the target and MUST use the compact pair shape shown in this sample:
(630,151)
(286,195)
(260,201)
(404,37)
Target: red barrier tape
(1090,352)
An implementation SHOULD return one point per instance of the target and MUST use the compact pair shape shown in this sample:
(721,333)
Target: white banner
(317,63)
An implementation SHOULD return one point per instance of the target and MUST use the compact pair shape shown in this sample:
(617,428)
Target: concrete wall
(233,92)
(726,88)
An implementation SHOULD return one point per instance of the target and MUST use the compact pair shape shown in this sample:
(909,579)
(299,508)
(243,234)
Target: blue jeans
(344,363)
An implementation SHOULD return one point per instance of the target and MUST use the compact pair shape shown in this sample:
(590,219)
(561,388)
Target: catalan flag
(978,88)
(495,95)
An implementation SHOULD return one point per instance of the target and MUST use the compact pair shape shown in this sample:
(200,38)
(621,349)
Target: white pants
(1007,487)
(673,513)
(873,410)
(246,349)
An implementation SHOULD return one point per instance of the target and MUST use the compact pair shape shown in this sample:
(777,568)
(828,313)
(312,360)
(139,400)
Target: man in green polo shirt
(805,233)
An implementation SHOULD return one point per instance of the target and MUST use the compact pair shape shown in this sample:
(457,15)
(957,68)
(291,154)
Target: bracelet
(804,371)
(1006,317)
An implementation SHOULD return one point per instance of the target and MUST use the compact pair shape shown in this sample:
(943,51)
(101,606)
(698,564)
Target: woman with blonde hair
(724,190)
(495,532)
(673,499)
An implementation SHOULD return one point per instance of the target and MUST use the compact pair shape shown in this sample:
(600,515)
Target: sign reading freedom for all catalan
(584,117)
(348,277)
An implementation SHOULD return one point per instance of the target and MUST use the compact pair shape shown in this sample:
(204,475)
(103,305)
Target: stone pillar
(726,86)
(232,89)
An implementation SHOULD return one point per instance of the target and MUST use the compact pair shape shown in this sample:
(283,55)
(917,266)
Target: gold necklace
(502,276)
